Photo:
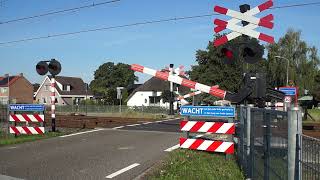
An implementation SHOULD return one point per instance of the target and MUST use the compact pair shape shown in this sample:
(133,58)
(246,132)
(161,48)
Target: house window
(47,88)
(4,90)
(66,87)
(154,100)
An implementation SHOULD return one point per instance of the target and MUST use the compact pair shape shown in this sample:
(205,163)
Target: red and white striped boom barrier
(189,95)
(213,90)
(246,30)
(27,118)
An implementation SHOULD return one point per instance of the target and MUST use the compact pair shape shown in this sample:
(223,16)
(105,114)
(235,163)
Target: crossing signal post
(54,68)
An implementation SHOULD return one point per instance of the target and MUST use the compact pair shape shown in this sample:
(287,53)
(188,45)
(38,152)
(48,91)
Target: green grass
(11,139)
(315,113)
(188,164)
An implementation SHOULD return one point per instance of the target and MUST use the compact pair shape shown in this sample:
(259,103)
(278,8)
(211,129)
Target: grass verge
(315,113)
(188,164)
(11,139)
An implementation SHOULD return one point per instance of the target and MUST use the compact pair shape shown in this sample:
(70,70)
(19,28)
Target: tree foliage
(316,90)
(166,95)
(303,62)
(211,70)
(108,77)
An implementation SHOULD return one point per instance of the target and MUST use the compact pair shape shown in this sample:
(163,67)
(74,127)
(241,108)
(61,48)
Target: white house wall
(42,93)
(141,98)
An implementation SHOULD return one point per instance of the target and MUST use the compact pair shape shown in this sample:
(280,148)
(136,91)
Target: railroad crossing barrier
(23,114)
(208,127)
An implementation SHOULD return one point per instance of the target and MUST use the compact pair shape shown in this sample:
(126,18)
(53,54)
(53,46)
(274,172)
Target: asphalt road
(118,153)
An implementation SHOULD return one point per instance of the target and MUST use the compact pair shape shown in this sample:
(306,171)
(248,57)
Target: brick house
(69,91)
(17,89)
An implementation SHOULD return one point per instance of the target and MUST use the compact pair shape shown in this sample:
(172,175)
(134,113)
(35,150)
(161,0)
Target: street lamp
(280,57)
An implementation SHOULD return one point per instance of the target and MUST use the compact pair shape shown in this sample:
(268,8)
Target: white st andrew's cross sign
(248,30)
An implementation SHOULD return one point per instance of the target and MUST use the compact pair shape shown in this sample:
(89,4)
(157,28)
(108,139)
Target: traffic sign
(248,30)
(26,107)
(289,91)
(287,99)
(212,111)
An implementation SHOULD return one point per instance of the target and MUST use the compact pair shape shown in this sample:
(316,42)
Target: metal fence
(309,160)
(83,109)
(3,119)
(3,113)
(263,143)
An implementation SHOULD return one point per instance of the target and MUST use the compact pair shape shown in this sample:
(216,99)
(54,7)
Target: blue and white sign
(26,107)
(212,111)
(289,91)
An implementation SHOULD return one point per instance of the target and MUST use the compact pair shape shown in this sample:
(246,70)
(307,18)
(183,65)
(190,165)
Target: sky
(154,45)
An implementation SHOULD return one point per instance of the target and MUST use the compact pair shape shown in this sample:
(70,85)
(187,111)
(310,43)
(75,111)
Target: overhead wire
(140,23)
(58,12)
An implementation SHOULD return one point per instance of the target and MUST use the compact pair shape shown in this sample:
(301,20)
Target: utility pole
(86,98)
(8,84)
(171,91)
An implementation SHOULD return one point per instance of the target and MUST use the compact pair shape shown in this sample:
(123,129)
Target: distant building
(69,91)
(17,89)
(149,94)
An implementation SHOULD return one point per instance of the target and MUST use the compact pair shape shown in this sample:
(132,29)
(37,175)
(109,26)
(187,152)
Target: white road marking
(122,171)
(172,119)
(159,121)
(119,127)
(13,147)
(147,123)
(125,148)
(85,132)
(4,177)
(172,148)
(133,125)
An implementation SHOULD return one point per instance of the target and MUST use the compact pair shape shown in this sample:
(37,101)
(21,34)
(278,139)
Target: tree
(110,76)
(303,62)
(166,95)
(210,69)
(316,90)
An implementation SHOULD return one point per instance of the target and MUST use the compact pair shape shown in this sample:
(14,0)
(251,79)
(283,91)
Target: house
(69,91)
(149,94)
(17,89)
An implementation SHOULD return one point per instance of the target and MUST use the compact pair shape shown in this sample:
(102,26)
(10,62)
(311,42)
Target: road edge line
(79,133)
(172,148)
(122,170)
